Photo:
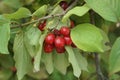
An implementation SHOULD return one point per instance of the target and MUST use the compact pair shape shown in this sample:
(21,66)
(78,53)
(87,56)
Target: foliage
(94,29)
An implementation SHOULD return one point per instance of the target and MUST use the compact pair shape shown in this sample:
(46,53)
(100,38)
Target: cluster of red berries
(58,39)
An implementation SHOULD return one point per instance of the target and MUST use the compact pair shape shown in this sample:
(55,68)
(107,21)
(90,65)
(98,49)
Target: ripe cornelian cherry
(59,42)
(64,5)
(42,25)
(68,40)
(50,38)
(72,24)
(60,50)
(65,31)
(48,48)
(56,32)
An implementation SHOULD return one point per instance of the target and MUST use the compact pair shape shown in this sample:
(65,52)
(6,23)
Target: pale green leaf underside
(72,59)
(114,59)
(21,56)
(61,62)
(20,13)
(4,35)
(87,37)
(108,9)
(48,62)
(37,58)
(31,39)
(79,11)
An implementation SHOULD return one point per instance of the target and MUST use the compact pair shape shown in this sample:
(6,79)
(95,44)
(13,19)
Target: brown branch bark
(46,17)
(97,60)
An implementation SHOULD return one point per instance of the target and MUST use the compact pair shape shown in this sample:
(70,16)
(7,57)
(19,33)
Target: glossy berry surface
(56,32)
(64,5)
(42,25)
(68,40)
(50,38)
(59,42)
(65,31)
(60,50)
(48,48)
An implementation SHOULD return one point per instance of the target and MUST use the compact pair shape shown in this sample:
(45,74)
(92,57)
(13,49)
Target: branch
(97,61)
(46,17)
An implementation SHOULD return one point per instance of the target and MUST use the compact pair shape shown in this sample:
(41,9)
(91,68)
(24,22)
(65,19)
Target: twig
(97,61)
(46,17)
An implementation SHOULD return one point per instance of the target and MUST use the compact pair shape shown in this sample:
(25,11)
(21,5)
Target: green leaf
(81,60)
(6,61)
(20,13)
(40,12)
(4,35)
(37,58)
(79,11)
(108,9)
(13,3)
(114,59)
(72,59)
(48,61)
(61,62)
(57,10)
(5,74)
(21,56)
(31,39)
(87,37)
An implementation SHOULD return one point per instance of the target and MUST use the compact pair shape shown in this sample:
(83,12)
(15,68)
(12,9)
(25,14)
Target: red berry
(68,40)
(50,38)
(60,50)
(48,48)
(59,42)
(64,5)
(42,25)
(65,31)
(56,32)
(72,24)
